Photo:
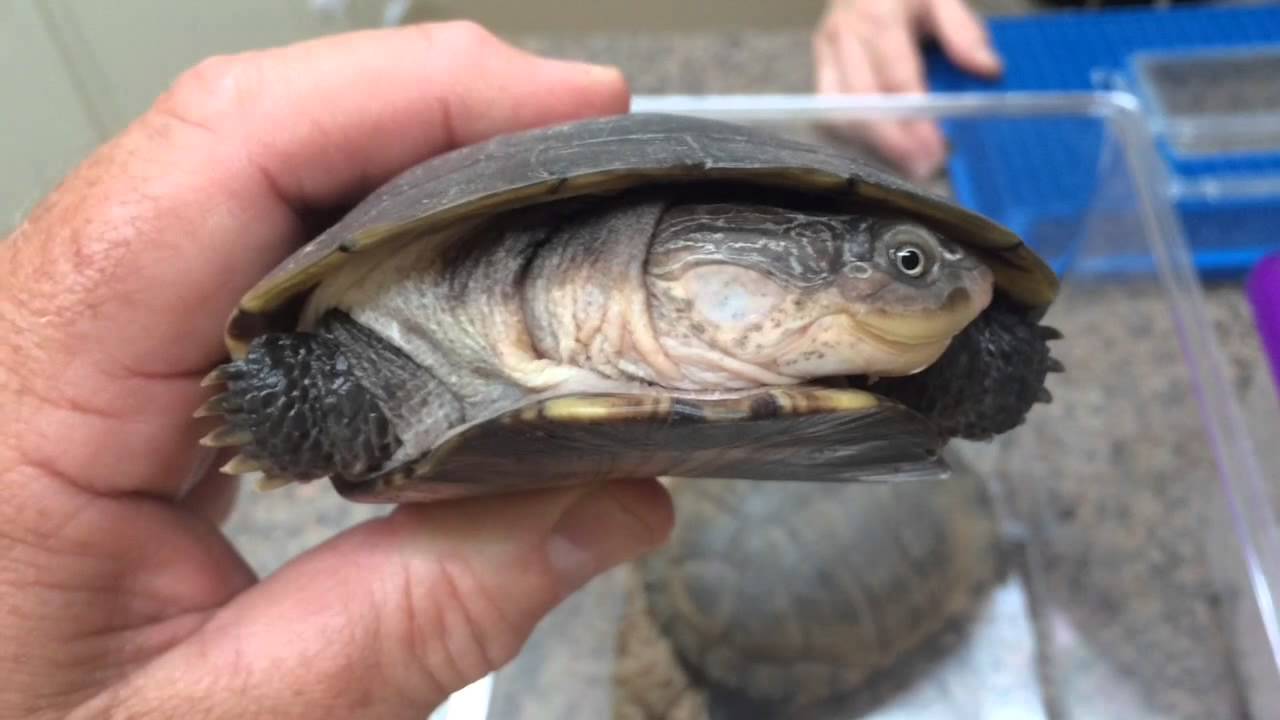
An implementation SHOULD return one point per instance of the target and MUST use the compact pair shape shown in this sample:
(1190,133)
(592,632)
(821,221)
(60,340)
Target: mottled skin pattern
(781,596)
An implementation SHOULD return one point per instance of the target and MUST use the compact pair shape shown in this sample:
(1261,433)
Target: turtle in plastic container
(632,296)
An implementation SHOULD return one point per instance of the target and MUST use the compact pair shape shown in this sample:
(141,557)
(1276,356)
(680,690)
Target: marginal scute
(602,408)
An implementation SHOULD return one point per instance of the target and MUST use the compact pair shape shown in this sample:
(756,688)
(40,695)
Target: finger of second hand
(893,54)
(926,149)
(963,36)
(900,142)
(853,68)
(843,65)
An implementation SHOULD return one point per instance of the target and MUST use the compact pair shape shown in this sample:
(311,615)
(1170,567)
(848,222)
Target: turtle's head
(775,295)
(908,293)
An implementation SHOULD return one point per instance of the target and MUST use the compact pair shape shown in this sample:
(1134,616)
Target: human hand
(119,596)
(871,46)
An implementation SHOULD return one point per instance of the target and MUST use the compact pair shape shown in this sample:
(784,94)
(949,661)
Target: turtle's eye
(910,259)
(908,251)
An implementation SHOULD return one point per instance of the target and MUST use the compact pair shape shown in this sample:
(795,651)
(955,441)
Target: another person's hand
(119,596)
(873,46)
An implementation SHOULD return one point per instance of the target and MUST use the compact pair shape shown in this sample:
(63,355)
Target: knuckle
(466,35)
(455,634)
(877,15)
(491,639)
(828,26)
(847,29)
(210,90)
(822,35)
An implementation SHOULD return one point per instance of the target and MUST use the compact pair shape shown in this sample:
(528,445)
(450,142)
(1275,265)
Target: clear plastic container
(1215,116)
(1137,503)
(1213,101)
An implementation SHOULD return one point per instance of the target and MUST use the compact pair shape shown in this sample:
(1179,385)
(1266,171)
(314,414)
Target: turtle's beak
(929,327)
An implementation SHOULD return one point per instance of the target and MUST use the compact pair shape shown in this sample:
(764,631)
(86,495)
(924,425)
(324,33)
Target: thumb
(390,617)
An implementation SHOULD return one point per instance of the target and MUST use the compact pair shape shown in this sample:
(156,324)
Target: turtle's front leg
(304,405)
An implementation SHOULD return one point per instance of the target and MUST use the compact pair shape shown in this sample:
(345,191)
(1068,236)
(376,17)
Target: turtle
(642,294)
(804,599)
(787,599)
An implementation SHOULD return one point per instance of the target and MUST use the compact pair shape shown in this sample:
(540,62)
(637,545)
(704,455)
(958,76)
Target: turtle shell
(611,155)
(793,594)
(830,434)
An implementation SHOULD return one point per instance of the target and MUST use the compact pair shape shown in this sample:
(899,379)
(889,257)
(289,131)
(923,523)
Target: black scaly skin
(297,396)
(987,380)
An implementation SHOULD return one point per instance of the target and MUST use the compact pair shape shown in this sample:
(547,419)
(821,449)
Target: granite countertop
(1115,477)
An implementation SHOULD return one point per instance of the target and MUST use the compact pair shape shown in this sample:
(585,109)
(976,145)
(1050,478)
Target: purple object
(1264,293)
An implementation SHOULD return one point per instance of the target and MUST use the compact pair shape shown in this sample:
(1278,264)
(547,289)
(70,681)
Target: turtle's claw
(1049,333)
(216,405)
(1044,396)
(241,465)
(268,483)
(1055,365)
(217,377)
(223,374)
(226,436)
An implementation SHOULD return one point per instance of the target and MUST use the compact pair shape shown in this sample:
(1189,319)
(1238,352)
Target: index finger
(963,36)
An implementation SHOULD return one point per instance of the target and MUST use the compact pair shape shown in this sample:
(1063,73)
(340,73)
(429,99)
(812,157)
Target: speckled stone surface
(1115,483)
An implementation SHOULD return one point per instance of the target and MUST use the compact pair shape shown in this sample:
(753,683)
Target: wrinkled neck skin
(715,297)
(549,305)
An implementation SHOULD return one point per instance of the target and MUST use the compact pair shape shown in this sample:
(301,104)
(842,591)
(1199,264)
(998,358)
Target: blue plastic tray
(1033,178)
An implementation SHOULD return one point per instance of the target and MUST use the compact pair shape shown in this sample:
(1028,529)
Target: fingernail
(923,152)
(989,58)
(607,78)
(604,71)
(598,72)
(607,527)
(923,168)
